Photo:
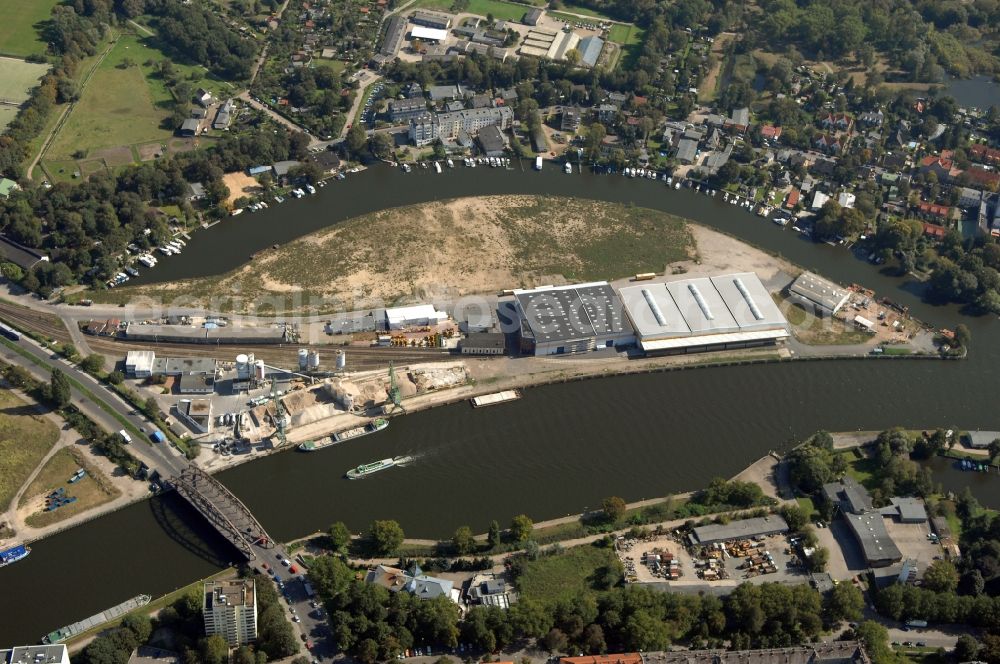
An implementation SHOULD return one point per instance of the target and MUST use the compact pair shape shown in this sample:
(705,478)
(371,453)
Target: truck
(125,437)
(914,624)
(308,588)
(157,436)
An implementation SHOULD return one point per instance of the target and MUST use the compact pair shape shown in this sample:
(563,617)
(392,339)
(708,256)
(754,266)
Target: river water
(557,451)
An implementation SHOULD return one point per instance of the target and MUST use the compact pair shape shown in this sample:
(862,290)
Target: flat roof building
(431,20)
(183,366)
(570,319)
(418,315)
(148,655)
(691,315)
(230,610)
(847,494)
(811,290)
(53,654)
(484,343)
(876,545)
(139,363)
(429,34)
(207,335)
(743,529)
(906,509)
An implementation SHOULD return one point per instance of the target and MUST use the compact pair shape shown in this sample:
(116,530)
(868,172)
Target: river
(977,92)
(557,451)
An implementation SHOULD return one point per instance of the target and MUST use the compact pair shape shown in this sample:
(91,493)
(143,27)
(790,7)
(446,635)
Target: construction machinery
(395,398)
(279,415)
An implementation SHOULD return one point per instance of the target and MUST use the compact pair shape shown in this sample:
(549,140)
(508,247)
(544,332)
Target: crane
(394,395)
(279,412)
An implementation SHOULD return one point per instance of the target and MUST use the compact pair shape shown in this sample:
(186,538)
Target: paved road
(161,457)
(366,79)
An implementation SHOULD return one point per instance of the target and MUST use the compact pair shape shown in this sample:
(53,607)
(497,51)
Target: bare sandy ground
(240,184)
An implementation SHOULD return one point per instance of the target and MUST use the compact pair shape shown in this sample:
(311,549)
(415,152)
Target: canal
(558,450)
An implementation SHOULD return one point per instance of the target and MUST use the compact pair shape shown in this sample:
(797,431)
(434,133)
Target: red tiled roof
(934,209)
(980,152)
(934,230)
(770,131)
(983,177)
(793,198)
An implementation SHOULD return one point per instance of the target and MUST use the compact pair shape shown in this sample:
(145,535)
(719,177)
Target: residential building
(224,116)
(556,320)
(829,143)
(872,118)
(471,120)
(203,97)
(424,129)
(488,590)
(483,343)
(969,198)
(431,20)
(984,154)
(687,151)
(770,133)
(819,200)
(492,141)
(230,610)
(412,581)
(718,159)
(792,199)
(816,293)
(570,120)
(48,654)
(838,121)
(739,119)
(934,211)
(189,127)
(846,199)
(401,110)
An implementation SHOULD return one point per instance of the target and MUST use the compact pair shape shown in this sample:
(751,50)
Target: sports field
(19,34)
(17,78)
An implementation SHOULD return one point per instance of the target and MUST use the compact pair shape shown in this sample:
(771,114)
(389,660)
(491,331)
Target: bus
(10,332)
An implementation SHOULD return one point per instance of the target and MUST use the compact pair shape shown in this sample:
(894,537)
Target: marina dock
(495,398)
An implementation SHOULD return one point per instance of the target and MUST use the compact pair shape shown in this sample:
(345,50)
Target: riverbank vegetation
(815,331)
(25,439)
(466,245)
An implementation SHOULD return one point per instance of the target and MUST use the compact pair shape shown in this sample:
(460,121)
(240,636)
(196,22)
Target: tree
(493,537)
(555,641)
(116,377)
(962,335)
(340,536)
(845,602)
(875,638)
(61,393)
(941,576)
(521,527)
(356,140)
(966,648)
(385,536)
(213,650)
(382,145)
(794,516)
(818,560)
(463,541)
(613,508)
(140,625)
(93,363)
(330,576)
(150,406)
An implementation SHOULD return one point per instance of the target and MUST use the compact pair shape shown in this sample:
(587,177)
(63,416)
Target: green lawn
(585,11)
(565,574)
(24,439)
(627,35)
(18,32)
(504,11)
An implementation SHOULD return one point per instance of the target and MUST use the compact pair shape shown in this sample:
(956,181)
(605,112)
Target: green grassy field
(18,32)
(124,103)
(18,77)
(505,11)
(585,11)
(627,35)
(565,575)
(24,440)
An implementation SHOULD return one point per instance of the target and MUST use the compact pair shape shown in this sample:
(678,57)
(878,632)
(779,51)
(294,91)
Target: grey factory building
(556,320)
(873,538)
(700,314)
(743,529)
(821,296)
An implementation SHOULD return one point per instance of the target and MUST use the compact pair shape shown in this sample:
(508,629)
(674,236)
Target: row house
(829,143)
(838,121)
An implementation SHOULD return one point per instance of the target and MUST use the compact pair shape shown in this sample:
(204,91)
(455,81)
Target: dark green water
(558,450)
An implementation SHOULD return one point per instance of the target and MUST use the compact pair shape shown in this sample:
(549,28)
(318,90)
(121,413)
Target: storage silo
(341,360)
(259,371)
(242,367)
(313,360)
(303,359)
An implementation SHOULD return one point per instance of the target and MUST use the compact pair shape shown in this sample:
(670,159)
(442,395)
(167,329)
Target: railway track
(47,325)
(286,355)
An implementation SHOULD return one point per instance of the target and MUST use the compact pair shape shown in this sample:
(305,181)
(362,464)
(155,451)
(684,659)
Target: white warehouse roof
(730,308)
(431,34)
(140,361)
(418,312)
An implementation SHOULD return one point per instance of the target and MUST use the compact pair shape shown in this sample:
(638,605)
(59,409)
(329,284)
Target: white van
(124,434)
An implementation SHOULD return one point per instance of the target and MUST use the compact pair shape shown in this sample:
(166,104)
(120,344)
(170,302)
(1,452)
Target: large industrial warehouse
(571,319)
(703,314)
